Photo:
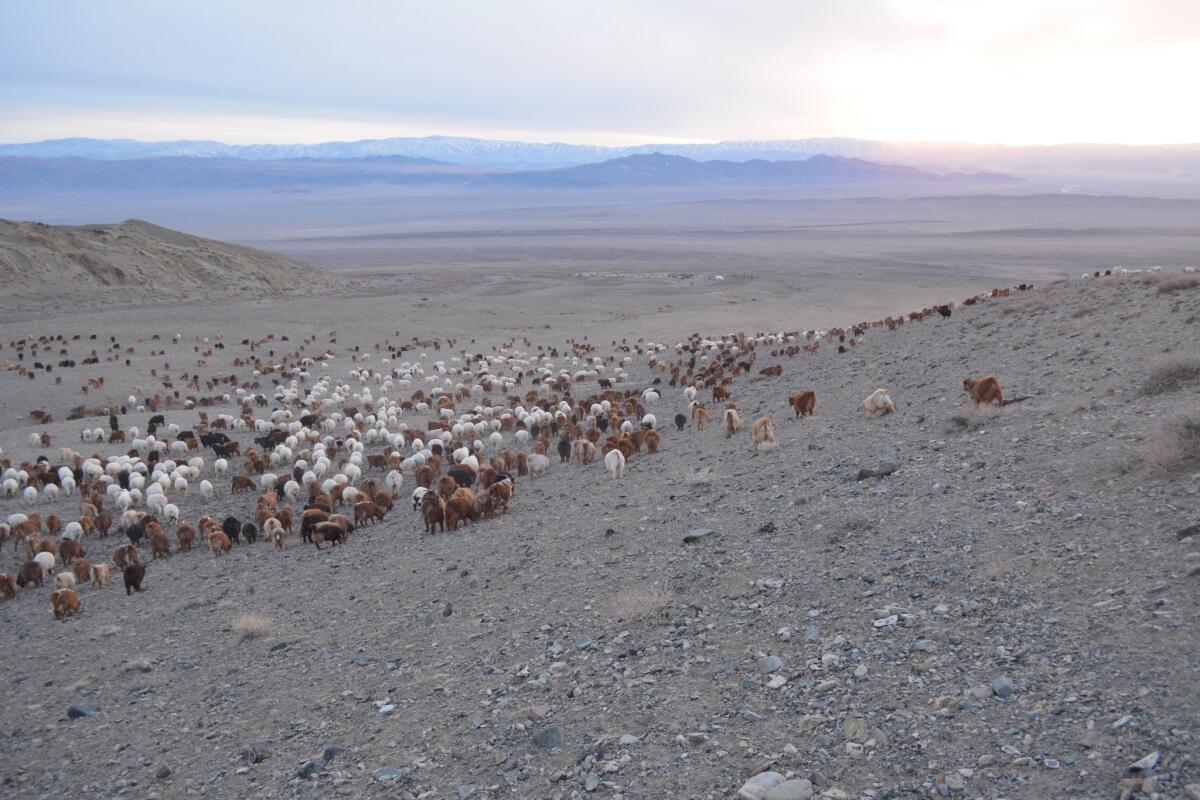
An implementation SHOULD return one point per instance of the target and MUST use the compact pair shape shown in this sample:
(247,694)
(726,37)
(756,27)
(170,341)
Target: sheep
(879,403)
(763,434)
(538,464)
(614,462)
(733,421)
(206,489)
(45,561)
(100,574)
(64,580)
(64,602)
(984,391)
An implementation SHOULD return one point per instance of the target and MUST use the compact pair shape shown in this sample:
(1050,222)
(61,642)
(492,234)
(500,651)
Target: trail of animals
(326,457)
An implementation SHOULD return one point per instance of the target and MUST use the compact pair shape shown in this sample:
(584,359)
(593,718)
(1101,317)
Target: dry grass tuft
(1174,446)
(1171,282)
(252,626)
(1170,374)
(970,416)
(639,603)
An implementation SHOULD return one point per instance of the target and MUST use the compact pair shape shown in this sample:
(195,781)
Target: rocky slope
(45,258)
(1010,613)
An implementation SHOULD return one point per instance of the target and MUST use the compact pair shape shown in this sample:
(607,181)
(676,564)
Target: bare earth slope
(133,253)
(1012,613)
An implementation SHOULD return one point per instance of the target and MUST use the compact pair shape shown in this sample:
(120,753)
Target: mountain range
(1176,160)
(18,175)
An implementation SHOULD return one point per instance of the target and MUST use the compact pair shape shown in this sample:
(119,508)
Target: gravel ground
(1011,613)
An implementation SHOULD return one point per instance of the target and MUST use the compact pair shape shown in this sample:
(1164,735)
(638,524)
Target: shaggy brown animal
(100,574)
(446,486)
(328,532)
(763,434)
(653,439)
(459,508)
(8,585)
(64,602)
(433,512)
(366,512)
(186,535)
(126,554)
(160,545)
(733,420)
(699,416)
(500,492)
(70,550)
(30,572)
(134,575)
(984,391)
(284,515)
(219,543)
(804,403)
(241,484)
(82,570)
(309,520)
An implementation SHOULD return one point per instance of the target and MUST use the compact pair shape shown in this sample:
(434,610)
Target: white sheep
(30,494)
(221,467)
(45,561)
(614,462)
(538,464)
(64,580)
(170,513)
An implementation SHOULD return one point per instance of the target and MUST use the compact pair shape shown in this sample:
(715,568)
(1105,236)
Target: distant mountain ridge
(1181,159)
(659,169)
(21,175)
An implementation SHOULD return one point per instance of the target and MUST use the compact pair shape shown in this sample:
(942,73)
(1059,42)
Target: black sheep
(233,529)
(134,574)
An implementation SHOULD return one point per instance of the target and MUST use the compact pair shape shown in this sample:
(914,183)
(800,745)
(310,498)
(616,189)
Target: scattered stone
(798,789)
(1003,687)
(592,782)
(1143,764)
(386,775)
(163,772)
(776,682)
(549,738)
(256,752)
(696,534)
(75,712)
(757,787)
(629,739)
(770,664)
(308,770)
(332,753)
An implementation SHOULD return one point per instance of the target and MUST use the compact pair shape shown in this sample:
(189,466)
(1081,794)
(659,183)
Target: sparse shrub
(1171,374)
(1171,282)
(639,603)
(1175,445)
(970,416)
(252,626)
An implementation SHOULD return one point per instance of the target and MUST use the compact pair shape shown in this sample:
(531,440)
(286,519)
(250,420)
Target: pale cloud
(615,72)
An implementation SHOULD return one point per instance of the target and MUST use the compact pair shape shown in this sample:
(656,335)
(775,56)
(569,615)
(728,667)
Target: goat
(100,575)
(804,403)
(614,462)
(733,421)
(64,603)
(134,575)
(763,434)
(984,391)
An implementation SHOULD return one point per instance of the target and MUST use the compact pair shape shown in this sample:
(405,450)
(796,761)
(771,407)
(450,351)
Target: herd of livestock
(327,456)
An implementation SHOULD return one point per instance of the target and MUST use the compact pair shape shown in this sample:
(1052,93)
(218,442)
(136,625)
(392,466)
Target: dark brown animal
(803,403)
(134,575)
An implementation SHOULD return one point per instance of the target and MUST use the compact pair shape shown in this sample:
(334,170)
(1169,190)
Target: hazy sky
(602,71)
